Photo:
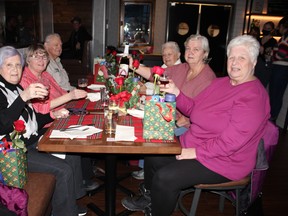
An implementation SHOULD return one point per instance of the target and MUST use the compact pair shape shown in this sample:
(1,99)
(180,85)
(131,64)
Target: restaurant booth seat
(40,189)
(241,193)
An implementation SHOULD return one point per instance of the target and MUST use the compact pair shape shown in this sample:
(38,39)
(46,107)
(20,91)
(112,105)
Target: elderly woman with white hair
(170,54)
(228,120)
(15,105)
(191,77)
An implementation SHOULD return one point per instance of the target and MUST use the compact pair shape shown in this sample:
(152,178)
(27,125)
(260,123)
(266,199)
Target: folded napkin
(94,96)
(124,133)
(136,113)
(78,132)
(95,87)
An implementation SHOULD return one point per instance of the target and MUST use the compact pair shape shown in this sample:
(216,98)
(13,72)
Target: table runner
(98,121)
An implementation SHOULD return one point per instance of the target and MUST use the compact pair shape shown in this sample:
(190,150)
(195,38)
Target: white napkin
(94,96)
(79,132)
(95,86)
(124,133)
(136,113)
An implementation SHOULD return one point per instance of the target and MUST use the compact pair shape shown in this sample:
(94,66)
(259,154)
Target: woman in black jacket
(14,105)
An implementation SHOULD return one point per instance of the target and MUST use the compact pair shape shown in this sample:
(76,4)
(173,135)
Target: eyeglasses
(39,57)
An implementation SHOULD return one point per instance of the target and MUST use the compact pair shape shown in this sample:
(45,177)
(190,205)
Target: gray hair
(249,42)
(35,48)
(171,44)
(7,52)
(204,42)
(51,36)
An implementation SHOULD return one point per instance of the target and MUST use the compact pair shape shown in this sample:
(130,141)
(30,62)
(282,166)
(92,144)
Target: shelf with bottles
(259,20)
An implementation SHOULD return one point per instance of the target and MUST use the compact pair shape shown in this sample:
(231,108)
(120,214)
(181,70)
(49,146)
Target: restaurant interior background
(161,20)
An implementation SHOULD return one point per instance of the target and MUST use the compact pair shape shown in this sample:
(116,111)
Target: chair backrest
(270,139)
(265,151)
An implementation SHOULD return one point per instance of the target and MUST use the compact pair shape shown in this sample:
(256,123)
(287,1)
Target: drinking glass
(164,80)
(46,83)
(110,122)
(104,97)
(83,83)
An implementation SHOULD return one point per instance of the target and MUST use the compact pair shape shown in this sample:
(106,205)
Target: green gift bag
(13,166)
(159,120)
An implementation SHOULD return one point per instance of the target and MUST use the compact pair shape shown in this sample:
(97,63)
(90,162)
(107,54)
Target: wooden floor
(274,199)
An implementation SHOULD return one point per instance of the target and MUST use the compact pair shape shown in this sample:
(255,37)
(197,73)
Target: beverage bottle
(124,62)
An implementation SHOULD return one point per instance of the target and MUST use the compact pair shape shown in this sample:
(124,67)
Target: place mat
(96,120)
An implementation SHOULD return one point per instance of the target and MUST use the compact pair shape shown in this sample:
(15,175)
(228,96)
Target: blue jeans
(69,183)
(277,87)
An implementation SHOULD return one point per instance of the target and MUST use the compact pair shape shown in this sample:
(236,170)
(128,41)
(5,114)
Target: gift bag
(159,120)
(13,166)
(100,70)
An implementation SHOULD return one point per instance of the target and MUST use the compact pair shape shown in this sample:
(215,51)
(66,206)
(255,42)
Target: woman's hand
(61,113)
(34,90)
(130,61)
(170,88)
(77,94)
(183,121)
(187,153)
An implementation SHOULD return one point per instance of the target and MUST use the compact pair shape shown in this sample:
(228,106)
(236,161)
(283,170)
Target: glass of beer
(83,83)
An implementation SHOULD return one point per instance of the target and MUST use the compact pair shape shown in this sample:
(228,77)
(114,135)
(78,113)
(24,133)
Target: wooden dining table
(98,144)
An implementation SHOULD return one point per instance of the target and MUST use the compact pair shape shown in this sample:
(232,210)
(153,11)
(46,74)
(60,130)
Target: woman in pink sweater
(228,120)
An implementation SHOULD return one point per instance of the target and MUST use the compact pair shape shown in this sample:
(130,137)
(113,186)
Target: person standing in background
(11,31)
(279,75)
(267,43)
(73,48)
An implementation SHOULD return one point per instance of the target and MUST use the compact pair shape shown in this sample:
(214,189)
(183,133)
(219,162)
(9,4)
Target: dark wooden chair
(241,193)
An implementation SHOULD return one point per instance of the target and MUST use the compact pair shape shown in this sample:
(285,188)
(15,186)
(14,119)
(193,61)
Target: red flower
(119,80)
(158,70)
(19,125)
(114,53)
(141,57)
(135,64)
(108,51)
(134,52)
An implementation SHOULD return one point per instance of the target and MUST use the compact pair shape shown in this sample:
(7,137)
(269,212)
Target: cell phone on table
(77,111)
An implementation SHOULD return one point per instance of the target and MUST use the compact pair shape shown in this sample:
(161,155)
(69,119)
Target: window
(136,26)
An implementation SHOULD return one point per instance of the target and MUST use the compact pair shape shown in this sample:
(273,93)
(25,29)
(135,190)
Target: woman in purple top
(191,77)
(228,120)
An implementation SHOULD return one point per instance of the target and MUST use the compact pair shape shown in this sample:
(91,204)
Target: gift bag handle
(169,116)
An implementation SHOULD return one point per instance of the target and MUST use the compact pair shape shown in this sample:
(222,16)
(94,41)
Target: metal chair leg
(221,204)
(195,201)
(238,202)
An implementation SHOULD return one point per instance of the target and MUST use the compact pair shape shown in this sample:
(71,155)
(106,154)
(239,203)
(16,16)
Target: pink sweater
(227,125)
(55,90)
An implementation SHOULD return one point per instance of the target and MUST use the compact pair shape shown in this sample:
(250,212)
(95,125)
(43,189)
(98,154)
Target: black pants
(166,177)
(5,211)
